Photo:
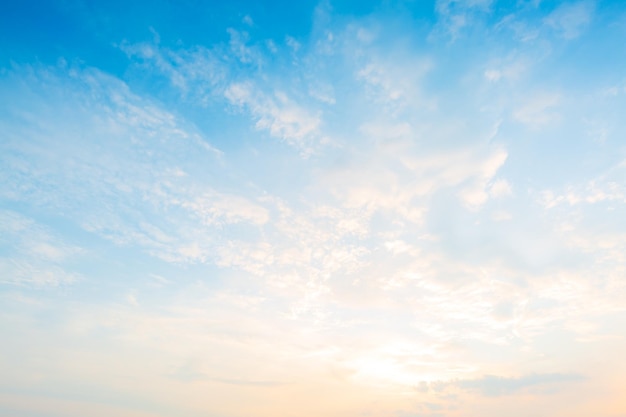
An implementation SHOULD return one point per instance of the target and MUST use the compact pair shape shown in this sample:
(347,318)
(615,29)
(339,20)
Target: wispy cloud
(495,386)
(32,254)
(570,19)
(279,115)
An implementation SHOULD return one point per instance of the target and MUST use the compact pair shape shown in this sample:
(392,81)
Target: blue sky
(395,208)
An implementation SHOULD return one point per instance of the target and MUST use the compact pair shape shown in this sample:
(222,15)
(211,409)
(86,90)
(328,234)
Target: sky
(316,208)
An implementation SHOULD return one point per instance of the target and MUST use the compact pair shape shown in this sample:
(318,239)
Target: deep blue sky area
(86,30)
(33,30)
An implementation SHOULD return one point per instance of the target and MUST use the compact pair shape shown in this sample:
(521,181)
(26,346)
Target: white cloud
(501,215)
(571,19)
(500,188)
(455,15)
(398,84)
(198,74)
(277,113)
(592,192)
(511,69)
(240,49)
(292,43)
(32,254)
(34,274)
(248,20)
(215,208)
(538,111)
